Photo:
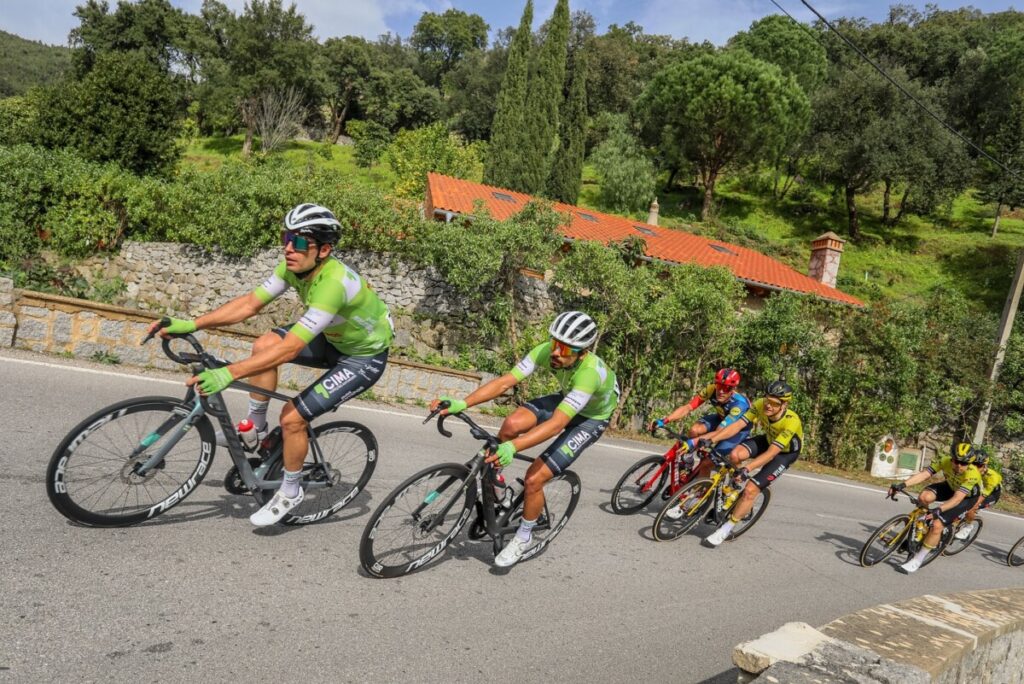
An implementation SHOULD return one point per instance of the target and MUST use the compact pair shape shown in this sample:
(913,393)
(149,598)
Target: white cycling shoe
(275,509)
(965,531)
(717,537)
(912,565)
(511,554)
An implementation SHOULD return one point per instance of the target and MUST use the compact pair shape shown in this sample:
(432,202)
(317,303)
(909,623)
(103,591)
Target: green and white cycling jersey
(340,305)
(589,388)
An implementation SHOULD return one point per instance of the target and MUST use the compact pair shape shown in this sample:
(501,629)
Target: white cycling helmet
(574,328)
(315,221)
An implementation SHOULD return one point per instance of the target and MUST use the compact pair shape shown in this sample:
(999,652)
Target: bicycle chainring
(233,480)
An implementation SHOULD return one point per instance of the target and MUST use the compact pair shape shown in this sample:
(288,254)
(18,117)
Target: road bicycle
(426,512)
(954,545)
(651,475)
(710,499)
(1016,556)
(905,532)
(138,458)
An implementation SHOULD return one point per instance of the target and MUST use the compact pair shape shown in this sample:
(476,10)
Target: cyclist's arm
(494,388)
(918,477)
(730,430)
(235,311)
(684,410)
(273,356)
(543,431)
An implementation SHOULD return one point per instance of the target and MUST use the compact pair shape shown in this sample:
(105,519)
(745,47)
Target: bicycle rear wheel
(1016,556)
(349,456)
(691,501)
(760,504)
(955,545)
(884,541)
(417,521)
(561,494)
(92,476)
(638,486)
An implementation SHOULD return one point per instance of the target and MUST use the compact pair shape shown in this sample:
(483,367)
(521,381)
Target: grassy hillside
(27,63)
(909,260)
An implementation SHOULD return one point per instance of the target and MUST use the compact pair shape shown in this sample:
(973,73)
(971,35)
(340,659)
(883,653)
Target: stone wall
(111,334)
(949,638)
(184,280)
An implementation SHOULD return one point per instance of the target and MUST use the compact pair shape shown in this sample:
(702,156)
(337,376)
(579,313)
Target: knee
(937,525)
(291,421)
(535,482)
(927,496)
(736,458)
(751,491)
(264,342)
(696,430)
(515,425)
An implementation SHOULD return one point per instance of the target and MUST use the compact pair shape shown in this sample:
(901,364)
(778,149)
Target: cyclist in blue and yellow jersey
(991,490)
(576,416)
(959,491)
(346,330)
(772,452)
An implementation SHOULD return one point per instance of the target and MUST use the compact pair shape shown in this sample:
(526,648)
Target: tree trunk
(999,211)
(709,198)
(247,145)
(339,118)
(851,212)
(886,205)
(903,206)
(672,173)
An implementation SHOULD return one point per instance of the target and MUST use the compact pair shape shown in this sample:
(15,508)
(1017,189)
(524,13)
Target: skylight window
(645,231)
(723,249)
(503,197)
(588,217)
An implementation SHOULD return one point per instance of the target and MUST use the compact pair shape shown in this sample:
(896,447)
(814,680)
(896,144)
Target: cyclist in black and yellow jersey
(991,490)
(958,493)
(772,452)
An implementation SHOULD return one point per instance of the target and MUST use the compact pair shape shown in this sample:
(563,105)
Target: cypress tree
(543,100)
(567,169)
(504,164)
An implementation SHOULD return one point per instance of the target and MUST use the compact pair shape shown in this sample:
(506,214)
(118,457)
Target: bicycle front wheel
(1016,556)
(348,456)
(639,485)
(956,545)
(684,510)
(417,521)
(884,541)
(93,475)
(760,504)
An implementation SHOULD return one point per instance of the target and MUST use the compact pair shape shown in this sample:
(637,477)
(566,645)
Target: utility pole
(1005,328)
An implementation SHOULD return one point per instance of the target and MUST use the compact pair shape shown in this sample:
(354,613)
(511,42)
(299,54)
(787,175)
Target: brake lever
(164,322)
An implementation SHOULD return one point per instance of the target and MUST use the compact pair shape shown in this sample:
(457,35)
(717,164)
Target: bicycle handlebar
(678,436)
(184,358)
(474,429)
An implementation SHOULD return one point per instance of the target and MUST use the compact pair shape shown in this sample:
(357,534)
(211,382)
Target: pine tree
(543,100)
(503,167)
(567,169)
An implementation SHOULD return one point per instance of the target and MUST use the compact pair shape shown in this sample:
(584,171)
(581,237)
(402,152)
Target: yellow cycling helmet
(964,453)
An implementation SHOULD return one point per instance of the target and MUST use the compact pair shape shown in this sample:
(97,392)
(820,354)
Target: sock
(525,531)
(290,486)
(727,526)
(258,413)
(925,550)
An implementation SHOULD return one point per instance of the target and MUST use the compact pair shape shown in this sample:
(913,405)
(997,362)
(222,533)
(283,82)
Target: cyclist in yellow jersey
(958,493)
(991,490)
(772,452)
(576,416)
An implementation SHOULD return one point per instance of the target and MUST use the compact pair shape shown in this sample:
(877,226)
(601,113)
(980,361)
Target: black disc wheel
(417,521)
(101,473)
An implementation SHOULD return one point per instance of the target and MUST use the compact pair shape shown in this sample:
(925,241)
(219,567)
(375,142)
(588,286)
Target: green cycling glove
(215,380)
(179,326)
(506,451)
(456,406)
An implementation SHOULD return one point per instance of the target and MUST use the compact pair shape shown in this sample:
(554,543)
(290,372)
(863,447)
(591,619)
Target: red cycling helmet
(727,378)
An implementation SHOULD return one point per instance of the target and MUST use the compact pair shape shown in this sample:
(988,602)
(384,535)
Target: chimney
(826,251)
(652,216)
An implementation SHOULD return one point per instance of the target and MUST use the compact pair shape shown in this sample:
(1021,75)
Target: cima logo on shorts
(574,443)
(333,382)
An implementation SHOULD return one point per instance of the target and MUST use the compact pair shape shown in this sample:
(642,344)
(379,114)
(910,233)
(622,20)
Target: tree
(507,134)
(543,101)
(627,175)
(471,92)
(347,65)
(398,99)
(153,28)
(724,109)
(567,170)
(414,153)
(278,117)
(124,110)
(443,40)
(998,186)
(792,47)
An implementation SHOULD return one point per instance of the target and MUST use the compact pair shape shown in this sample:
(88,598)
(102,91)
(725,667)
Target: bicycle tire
(374,554)
(1015,558)
(90,445)
(955,546)
(667,529)
(947,534)
(349,473)
(887,547)
(751,518)
(552,521)
(633,482)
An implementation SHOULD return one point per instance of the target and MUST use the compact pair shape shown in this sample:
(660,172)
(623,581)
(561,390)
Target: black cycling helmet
(315,221)
(780,390)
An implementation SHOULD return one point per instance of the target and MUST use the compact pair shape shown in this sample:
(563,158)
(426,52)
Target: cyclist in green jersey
(346,330)
(958,493)
(576,416)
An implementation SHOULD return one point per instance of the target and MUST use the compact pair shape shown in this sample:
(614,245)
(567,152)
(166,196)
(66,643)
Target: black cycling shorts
(347,376)
(943,492)
(774,468)
(992,498)
(578,435)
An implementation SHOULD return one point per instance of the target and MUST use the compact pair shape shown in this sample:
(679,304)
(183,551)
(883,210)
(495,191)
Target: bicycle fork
(157,459)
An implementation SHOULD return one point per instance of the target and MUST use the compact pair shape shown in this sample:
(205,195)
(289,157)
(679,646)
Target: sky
(50,21)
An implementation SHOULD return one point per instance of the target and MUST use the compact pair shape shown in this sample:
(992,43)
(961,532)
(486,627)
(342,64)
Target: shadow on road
(991,552)
(727,677)
(847,548)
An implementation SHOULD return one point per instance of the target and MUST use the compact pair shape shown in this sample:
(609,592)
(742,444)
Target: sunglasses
(772,404)
(559,348)
(300,243)
(962,463)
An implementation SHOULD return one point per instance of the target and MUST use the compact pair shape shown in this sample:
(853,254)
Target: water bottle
(502,492)
(247,433)
(731,495)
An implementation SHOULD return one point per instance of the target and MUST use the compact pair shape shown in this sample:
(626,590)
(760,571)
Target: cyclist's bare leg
(931,540)
(537,475)
(697,430)
(268,378)
(746,501)
(296,438)
(519,421)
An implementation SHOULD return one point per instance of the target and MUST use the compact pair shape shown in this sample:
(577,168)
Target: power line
(893,81)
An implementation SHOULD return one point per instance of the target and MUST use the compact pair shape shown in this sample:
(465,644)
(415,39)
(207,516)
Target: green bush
(414,153)
(17,120)
(370,139)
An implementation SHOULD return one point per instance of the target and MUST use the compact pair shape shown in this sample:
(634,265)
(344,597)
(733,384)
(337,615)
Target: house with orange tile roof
(447,198)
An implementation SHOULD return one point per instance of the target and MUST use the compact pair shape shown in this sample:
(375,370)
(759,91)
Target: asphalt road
(199,593)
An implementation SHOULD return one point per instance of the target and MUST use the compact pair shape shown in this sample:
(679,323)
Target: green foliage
(105,357)
(443,40)
(124,110)
(567,170)
(25,64)
(792,47)
(432,148)
(346,63)
(18,120)
(627,175)
(371,140)
(471,92)
(503,167)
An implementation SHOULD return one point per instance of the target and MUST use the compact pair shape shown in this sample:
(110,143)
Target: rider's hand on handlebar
(656,424)
(177,326)
(503,455)
(705,443)
(211,381)
(455,406)
(896,487)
